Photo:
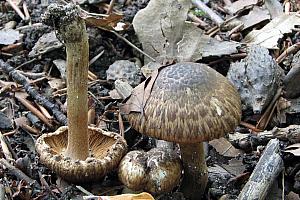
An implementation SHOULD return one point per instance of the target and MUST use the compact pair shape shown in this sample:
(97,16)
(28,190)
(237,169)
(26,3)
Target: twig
(121,125)
(44,183)
(44,111)
(19,78)
(211,14)
(96,57)
(132,45)
(35,111)
(17,9)
(214,32)
(110,7)
(266,171)
(292,49)
(266,117)
(250,126)
(83,190)
(18,173)
(30,129)
(26,12)
(236,29)
(26,63)
(101,104)
(6,150)
(196,19)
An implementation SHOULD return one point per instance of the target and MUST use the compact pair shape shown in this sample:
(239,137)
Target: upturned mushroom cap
(156,171)
(189,103)
(106,151)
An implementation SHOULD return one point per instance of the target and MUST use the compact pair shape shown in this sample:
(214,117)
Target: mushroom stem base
(195,170)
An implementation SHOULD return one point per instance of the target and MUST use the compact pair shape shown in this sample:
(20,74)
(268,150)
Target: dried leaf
(225,148)
(141,196)
(56,83)
(294,149)
(48,42)
(240,5)
(21,121)
(269,35)
(234,167)
(140,94)
(195,45)
(61,66)
(275,8)
(255,16)
(9,36)
(159,26)
(165,33)
(108,22)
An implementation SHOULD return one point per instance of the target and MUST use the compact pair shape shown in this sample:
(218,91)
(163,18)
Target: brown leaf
(107,22)
(225,148)
(235,166)
(140,94)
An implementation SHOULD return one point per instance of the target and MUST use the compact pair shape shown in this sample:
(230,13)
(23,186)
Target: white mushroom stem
(195,170)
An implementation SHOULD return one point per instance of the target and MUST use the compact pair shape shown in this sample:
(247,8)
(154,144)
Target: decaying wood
(266,171)
(290,133)
(21,79)
(18,173)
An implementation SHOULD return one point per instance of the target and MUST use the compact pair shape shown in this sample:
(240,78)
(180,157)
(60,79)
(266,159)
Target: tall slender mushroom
(77,153)
(188,103)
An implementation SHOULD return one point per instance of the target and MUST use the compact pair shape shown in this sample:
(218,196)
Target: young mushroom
(188,103)
(156,171)
(77,153)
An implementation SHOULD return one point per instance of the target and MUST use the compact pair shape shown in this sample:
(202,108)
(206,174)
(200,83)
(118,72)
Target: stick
(211,14)
(133,46)
(18,173)
(5,149)
(19,78)
(16,8)
(266,171)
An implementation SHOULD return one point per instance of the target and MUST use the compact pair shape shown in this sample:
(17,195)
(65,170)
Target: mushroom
(189,103)
(156,171)
(77,153)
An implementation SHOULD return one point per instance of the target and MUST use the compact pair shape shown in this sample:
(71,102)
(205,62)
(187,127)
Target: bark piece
(266,171)
(257,78)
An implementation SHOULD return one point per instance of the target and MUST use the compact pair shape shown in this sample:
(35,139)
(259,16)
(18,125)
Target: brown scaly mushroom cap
(106,151)
(189,103)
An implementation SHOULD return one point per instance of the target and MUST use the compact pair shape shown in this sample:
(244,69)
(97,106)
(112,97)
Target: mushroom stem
(77,74)
(195,170)
(74,34)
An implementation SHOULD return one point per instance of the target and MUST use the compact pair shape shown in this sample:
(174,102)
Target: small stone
(126,71)
(48,42)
